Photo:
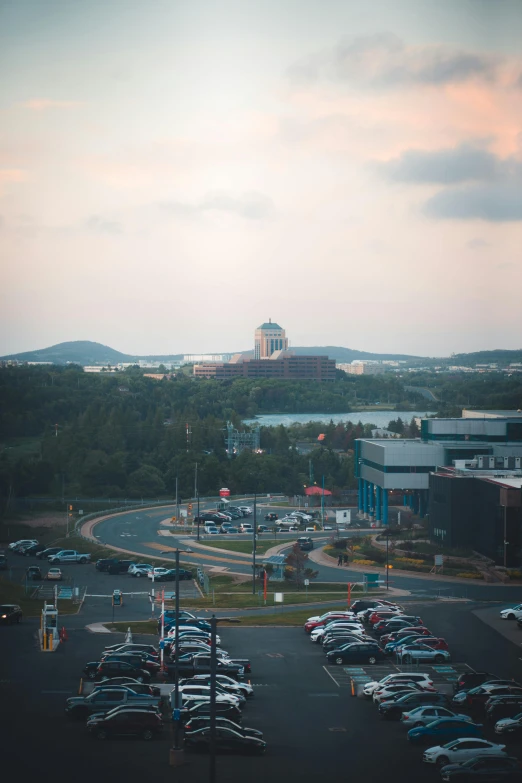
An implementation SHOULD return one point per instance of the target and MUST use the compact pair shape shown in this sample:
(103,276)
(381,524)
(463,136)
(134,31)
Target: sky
(173,173)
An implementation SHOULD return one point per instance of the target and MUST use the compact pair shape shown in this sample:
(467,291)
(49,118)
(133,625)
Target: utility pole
(176,753)
(196,481)
(322,505)
(198,514)
(213,672)
(387,561)
(177,501)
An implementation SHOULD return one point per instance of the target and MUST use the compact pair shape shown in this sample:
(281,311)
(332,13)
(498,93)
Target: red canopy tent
(316,491)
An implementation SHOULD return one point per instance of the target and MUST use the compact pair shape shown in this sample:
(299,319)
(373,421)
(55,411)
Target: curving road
(141,533)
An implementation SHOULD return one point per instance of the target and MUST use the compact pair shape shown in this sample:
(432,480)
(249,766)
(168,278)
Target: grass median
(244,547)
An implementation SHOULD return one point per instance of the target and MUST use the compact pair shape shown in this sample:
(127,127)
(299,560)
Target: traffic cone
(128,637)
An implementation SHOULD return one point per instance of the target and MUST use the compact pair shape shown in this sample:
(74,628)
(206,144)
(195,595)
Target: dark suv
(394,707)
(113,566)
(146,724)
(105,670)
(470,680)
(305,543)
(10,613)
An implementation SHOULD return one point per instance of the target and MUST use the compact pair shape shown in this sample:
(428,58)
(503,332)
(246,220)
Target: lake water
(379,418)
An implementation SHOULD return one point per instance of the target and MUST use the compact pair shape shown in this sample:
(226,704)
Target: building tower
(269,338)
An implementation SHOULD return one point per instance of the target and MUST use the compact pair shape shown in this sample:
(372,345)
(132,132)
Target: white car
(157,572)
(186,630)
(246,528)
(419,677)
(421,716)
(460,750)
(421,652)
(245,509)
(202,693)
(320,617)
(242,687)
(508,725)
(23,542)
(320,632)
(514,613)
(381,694)
(139,569)
(301,515)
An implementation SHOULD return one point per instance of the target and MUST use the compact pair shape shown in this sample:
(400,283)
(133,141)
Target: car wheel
(18,619)
(139,679)
(372,659)
(137,575)
(147,735)
(407,659)
(438,658)
(91,675)
(82,560)
(442,761)
(339,661)
(511,616)
(101,734)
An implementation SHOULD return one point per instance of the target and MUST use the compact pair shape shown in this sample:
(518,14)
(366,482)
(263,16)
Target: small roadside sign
(307,582)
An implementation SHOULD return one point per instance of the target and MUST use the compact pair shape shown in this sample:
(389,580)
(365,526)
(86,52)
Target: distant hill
(82,352)
(85,352)
(346,355)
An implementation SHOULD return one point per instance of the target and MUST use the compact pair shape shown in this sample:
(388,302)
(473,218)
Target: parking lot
(314,727)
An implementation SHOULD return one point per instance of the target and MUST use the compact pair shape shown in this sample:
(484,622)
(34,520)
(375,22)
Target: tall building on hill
(268,339)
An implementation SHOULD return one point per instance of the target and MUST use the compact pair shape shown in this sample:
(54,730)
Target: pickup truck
(105,699)
(69,556)
(191,664)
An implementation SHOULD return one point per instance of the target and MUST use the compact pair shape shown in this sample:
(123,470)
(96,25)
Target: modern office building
(479,510)
(363,368)
(269,338)
(404,466)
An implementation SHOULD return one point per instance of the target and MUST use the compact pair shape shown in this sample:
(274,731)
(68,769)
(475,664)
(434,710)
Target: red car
(325,619)
(378,616)
(436,643)
(397,635)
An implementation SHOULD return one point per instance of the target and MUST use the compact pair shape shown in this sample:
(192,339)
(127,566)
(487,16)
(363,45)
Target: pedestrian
(345,559)
(340,560)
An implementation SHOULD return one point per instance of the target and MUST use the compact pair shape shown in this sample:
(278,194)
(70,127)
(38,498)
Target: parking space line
(331,675)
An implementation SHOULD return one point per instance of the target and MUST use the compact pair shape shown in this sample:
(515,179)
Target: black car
(130,722)
(138,660)
(394,707)
(339,641)
(487,768)
(137,687)
(470,680)
(271,517)
(32,550)
(106,670)
(502,707)
(34,573)
(203,721)
(170,575)
(227,741)
(49,552)
(10,613)
(112,565)
(305,543)
(366,652)
(223,710)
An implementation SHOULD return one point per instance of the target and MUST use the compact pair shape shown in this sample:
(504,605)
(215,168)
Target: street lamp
(387,561)
(213,683)
(198,513)
(254,543)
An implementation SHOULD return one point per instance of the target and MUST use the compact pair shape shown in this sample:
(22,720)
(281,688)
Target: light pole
(198,512)
(506,542)
(387,561)
(254,546)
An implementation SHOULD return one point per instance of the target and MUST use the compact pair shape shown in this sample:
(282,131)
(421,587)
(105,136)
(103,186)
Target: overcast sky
(175,172)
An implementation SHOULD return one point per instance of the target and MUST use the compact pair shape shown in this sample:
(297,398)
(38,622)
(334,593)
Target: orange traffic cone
(63,634)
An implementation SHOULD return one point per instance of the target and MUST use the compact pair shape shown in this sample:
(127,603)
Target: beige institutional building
(268,339)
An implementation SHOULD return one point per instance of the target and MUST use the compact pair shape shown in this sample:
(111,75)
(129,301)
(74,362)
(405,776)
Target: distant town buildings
(363,368)
(195,358)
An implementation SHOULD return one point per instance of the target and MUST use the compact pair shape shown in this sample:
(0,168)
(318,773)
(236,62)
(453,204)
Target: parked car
(444,729)
(357,653)
(510,728)
(22,542)
(33,573)
(363,604)
(132,647)
(47,553)
(461,696)
(113,565)
(10,614)
(54,574)
(500,707)
(390,647)
(227,741)
(394,707)
(128,682)
(105,670)
(479,696)
(315,622)
(168,574)
(139,569)
(203,721)
(381,694)
(421,652)
(223,710)
(461,750)
(104,699)
(305,543)
(263,529)
(226,682)
(32,550)
(271,517)
(124,723)
(139,660)
(469,680)
(421,716)
(492,768)
(513,613)
(69,556)
(419,677)
(199,692)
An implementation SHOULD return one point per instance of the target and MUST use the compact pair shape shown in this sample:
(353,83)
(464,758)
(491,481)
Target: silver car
(421,716)
(421,652)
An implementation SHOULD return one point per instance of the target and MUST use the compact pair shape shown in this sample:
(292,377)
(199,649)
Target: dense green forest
(67,433)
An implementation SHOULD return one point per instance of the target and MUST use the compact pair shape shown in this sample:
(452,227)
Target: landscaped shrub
(411,560)
(364,562)
(470,574)
(515,574)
